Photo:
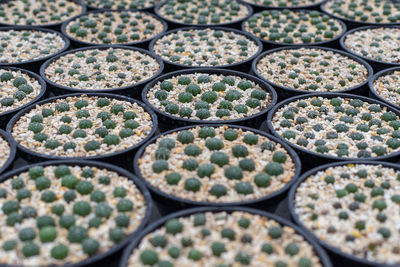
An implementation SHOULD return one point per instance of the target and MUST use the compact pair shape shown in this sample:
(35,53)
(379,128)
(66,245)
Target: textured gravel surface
(205,48)
(97,69)
(26,45)
(222,239)
(202,96)
(122,4)
(38,12)
(282,3)
(340,127)
(380,44)
(217,165)
(5,151)
(78,212)
(387,86)
(95,126)
(312,70)
(357,211)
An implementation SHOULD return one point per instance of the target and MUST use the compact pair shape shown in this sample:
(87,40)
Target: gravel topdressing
(387,86)
(26,45)
(354,208)
(98,69)
(222,239)
(380,44)
(312,70)
(17,89)
(218,164)
(340,127)
(5,151)
(82,126)
(64,214)
(114,27)
(282,3)
(205,47)
(38,12)
(122,4)
(203,96)
(293,27)
(373,11)
(203,12)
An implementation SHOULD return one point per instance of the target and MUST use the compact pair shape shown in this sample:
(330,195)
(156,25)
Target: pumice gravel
(311,69)
(113,27)
(284,3)
(219,238)
(208,96)
(354,209)
(364,11)
(294,27)
(5,149)
(341,125)
(39,12)
(99,68)
(29,44)
(386,86)
(203,12)
(59,214)
(219,164)
(82,126)
(377,43)
(17,89)
(121,4)
(208,47)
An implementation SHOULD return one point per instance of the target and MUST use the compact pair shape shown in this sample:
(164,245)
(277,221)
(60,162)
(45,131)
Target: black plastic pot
(158,224)
(177,24)
(376,64)
(53,26)
(121,158)
(333,43)
(7,165)
(34,65)
(174,203)
(339,258)
(311,159)
(6,116)
(243,66)
(140,186)
(351,24)
(142,44)
(168,121)
(130,90)
(372,90)
(258,8)
(286,92)
(147,9)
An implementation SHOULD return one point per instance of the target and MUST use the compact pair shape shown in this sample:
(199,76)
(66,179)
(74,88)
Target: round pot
(130,90)
(269,202)
(147,9)
(376,64)
(159,223)
(74,162)
(239,66)
(311,159)
(34,65)
(176,24)
(258,7)
(6,166)
(121,158)
(79,43)
(333,43)
(351,24)
(170,121)
(55,26)
(286,92)
(372,90)
(5,117)
(337,255)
